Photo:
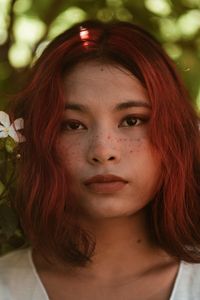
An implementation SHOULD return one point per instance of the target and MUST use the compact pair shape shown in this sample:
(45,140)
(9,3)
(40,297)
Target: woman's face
(105,131)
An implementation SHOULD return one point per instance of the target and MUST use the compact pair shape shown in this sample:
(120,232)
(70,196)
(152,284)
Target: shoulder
(16,275)
(16,260)
(13,257)
(187,285)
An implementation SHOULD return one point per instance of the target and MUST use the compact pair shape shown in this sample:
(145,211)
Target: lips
(105,184)
(104,178)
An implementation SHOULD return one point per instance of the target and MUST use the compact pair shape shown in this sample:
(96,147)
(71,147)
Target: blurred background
(27,26)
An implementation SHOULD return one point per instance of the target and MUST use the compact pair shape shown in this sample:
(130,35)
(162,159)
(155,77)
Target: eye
(71,125)
(130,121)
(134,120)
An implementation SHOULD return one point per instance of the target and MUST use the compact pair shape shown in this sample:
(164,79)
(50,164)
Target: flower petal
(3,134)
(13,134)
(21,138)
(17,136)
(4,119)
(18,124)
(2,128)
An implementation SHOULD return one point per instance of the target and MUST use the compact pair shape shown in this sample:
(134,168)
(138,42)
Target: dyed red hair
(43,199)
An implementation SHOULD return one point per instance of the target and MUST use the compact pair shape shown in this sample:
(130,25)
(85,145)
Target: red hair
(43,199)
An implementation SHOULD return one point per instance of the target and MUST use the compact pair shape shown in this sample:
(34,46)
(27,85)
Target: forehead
(90,71)
(105,83)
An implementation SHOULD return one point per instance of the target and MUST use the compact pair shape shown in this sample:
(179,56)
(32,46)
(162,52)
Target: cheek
(144,157)
(134,145)
(70,154)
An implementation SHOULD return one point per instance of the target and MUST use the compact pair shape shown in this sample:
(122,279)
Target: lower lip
(106,187)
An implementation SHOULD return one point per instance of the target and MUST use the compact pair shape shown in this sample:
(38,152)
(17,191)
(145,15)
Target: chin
(107,212)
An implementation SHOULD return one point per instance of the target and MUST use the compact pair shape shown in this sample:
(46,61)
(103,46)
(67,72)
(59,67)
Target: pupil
(74,125)
(131,121)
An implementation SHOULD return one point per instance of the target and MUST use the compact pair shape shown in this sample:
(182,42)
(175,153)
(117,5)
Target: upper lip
(104,178)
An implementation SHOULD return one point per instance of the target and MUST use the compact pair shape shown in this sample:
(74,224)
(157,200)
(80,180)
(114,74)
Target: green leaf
(10,145)
(2,143)
(8,220)
(2,188)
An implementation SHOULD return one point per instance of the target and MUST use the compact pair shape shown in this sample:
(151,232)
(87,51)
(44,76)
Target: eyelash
(142,120)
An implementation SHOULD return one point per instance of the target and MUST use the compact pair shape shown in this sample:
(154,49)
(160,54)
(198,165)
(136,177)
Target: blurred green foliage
(26,27)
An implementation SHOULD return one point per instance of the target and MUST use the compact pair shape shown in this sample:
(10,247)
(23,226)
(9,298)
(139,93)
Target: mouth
(106,187)
(104,184)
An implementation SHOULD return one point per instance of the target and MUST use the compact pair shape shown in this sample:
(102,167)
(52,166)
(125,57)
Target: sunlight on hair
(22,6)
(19,55)
(160,7)
(189,23)
(65,20)
(28,30)
(41,48)
(84,33)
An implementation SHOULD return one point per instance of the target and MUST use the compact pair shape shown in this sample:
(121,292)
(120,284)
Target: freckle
(138,241)
(131,151)
(108,137)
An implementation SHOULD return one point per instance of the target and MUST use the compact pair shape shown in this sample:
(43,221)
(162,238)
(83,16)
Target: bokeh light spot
(28,30)
(173,50)
(159,7)
(3,36)
(105,14)
(124,14)
(189,23)
(65,20)
(19,55)
(22,6)
(198,100)
(169,29)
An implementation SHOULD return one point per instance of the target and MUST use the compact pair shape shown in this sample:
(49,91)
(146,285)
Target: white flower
(8,129)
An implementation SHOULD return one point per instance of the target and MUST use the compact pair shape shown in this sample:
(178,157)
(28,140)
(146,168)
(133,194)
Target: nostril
(111,158)
(97,160)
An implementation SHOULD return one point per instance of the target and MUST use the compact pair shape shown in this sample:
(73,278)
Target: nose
(103,151)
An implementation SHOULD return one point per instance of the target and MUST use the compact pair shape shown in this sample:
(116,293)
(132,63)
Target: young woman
(108,190)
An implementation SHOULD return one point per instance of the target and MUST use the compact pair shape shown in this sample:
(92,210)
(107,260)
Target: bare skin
(127,265)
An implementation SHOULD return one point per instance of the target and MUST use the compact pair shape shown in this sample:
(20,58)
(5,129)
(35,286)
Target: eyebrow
(119,107)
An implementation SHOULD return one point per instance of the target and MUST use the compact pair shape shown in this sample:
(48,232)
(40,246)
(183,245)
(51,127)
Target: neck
(123,249)
(123,245)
